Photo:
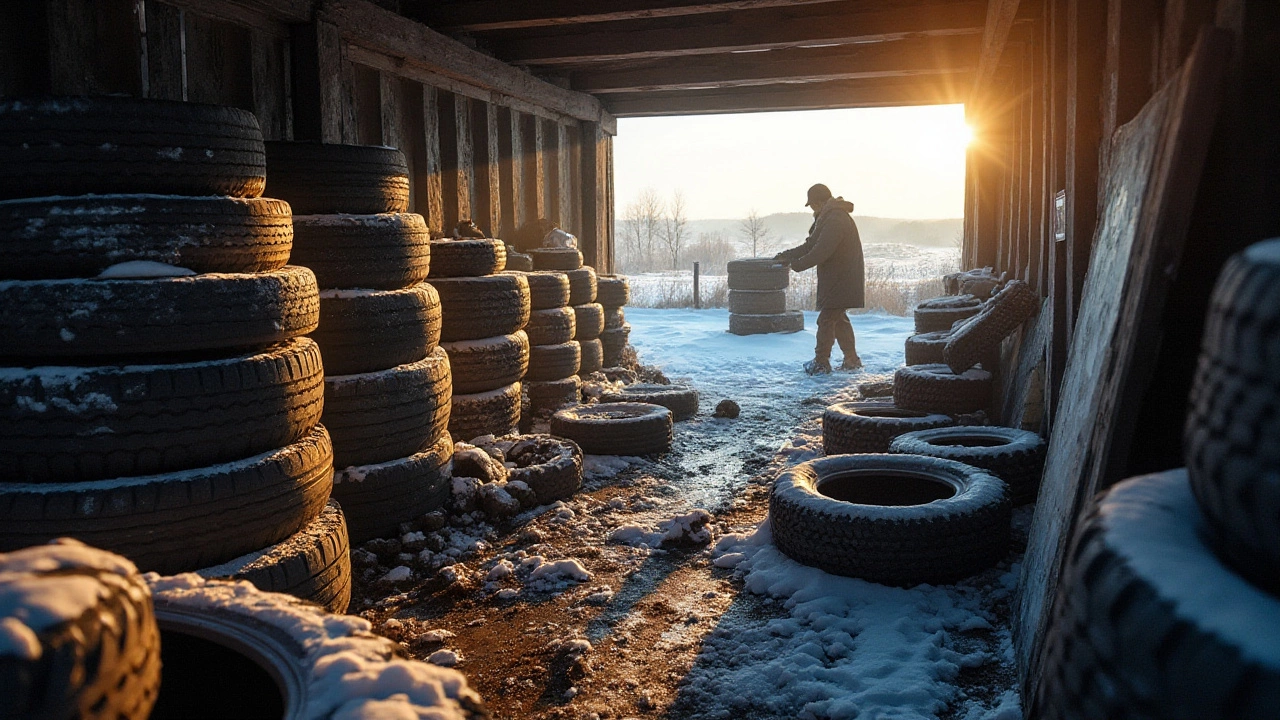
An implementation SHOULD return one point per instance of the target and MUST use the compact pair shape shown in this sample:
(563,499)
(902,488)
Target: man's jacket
(834,247)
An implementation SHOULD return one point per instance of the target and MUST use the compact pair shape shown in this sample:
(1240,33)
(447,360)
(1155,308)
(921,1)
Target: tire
(97,655)
(612,291)
(554,362)
(1149,623)
(313,564)
(376,498)
(547,290)
(550,466)
(380,416)
(758,302)
(387,251)
(496,412)
(681,400)
(981,336)
(369,330)
(1015,456)
(592,357)
(482,307)
(553,394)
(926,348)
(940,313)
(110,145)
(870,427)
(588,321)
(907,519)
(66,237)
(518,261)
(321,179)
(179,521)
(614,342)
(556,258)
(582,286)
(68,424)
(788,322)
(104,319)
(614,318)
(934,388)
(757,274)
(551,327)
(468,257)
(483,365)
(628,428)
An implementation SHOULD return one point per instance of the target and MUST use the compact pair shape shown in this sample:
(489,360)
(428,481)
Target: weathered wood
(1027,358)
(564,179)
(533,144)
(219,62)
(576,190)
(94,47)
(485,15)
(24,49)
(1130,62)
(323,86)
(511,171)
(594,235)
(163,41)
(1086,61)
(487,204)
(271,102)
(367,100)
(995,33)
(431,203)
(272,16)
(1152,180)
(1056,262)
(457,158)
(1182,22)
(390,113)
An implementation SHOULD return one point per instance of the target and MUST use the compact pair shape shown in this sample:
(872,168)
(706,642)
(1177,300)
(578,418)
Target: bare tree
(675,228)
(641,226)
(753,233)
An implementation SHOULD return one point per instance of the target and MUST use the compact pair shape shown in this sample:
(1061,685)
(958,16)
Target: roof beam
(483,15)
(995,33)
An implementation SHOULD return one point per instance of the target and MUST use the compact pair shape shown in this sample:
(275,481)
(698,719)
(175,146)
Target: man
(834,247)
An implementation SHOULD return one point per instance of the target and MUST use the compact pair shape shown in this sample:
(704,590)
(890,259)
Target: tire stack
(160,399)
(613,292)
(758,298)
(567,336)
(552,324)
(388,385)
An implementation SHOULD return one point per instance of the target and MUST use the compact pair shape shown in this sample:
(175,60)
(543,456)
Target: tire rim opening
(201,678)
(891,413)
(970,441)
(885,487)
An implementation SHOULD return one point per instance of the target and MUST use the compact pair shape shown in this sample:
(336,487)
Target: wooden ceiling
(677,57)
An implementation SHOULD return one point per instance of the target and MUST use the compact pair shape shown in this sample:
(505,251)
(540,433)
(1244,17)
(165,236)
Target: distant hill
(791,229)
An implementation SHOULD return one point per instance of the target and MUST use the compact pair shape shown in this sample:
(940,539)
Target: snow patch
(139,269)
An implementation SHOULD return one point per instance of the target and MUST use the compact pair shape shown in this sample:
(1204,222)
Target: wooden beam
(486,208)
(482,15)
(995,33)
(431,203)
(533,147)
(595,237)
(510,172)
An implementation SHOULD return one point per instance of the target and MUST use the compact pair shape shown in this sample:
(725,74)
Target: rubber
(870,427)
(368,330)
(1001,315)
(935,542)
(376,498)
(321,179)
(67,237)
(588,321)
(613,291)
(592,359)
(788,322)
(496,412)
(926,348)
(556,258)
(112,145)
(482,307)
(482,365)
(88,423)
(758,302)
(179,521)
(616,428)
(386,251)
(614,342)
(547,290)
(467,257)
(681,400)
(48,321)
(550,466)
(757,274)
(552,326)
(582,286)
(614,318)
(551,395)
(518,261)
(1015,456)
(553,362)
(940,313)
(380,416)
(934,388)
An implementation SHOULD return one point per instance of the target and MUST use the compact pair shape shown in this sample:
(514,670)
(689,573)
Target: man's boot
(818,366)
(851,364)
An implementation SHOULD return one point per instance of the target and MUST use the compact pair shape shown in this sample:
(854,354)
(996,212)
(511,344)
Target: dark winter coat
(834,247)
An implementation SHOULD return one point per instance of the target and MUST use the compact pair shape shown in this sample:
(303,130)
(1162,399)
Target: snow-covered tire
(385,251)
(379,416)
(321,179)
(757,274)
(582,286)
(313,564)
(101,145)
(926,348)
(550,466)
(551,326)
(82,639)
(553,362)
(67,424)
(53,319)
(368,330)
(215,626)
(787,322)
(588,321)
(613,291)
(376,498)
(892,519)
(1015,456)
(1150,624)
(481,365)
(614,318)
(628,428)
(592,356)
(68,237)
(518,261)
(467,257)
(937,314)
(681,400)
(556,258)
(482,307)
(981,335)
(934,388)
(553,394)
(547,290)
(614,342)
(870,427)
(179,521)
(496,412)
(757,302)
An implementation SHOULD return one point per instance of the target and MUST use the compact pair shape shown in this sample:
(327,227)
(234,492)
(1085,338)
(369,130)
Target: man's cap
(818,193)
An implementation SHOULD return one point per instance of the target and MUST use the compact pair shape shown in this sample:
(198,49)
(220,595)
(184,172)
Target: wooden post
(432,205)
(697,299)
(323,85)
(532,145)
(487,204)
(510,171)
(597,201)
(1086,60)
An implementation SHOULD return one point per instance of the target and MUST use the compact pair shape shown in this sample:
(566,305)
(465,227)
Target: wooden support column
(511,171)
(551,171)
(392,131)
(94,47)
(165,79)
(596,234)
(575,177)
(270,84)
(323,85)
(457,158)
(531,140)
(1182,22)
(564,179)
(431,188)
(1086,63)
(368,103)
(1131,62)
(486,207)
(1057,261)
(1036,191)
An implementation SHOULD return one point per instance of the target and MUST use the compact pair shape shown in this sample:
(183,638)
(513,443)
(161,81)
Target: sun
(964,135)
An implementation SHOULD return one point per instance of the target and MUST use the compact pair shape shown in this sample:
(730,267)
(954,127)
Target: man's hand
(782,259)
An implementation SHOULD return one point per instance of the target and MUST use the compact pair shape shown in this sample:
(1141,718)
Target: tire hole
(970,441)
(894,489)
(202,679)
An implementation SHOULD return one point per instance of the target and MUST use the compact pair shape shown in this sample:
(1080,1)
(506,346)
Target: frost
(444,658)
(139,269)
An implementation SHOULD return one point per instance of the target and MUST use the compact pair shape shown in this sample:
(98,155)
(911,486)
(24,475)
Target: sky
(902,162)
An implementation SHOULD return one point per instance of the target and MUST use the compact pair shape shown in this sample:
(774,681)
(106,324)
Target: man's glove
(782,258)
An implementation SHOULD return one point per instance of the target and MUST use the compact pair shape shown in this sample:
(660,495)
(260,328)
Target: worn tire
(1015,456)
(96,656)
(628,428)
(870,427)
(550,466)
(559,259)
(552,326)
(553,394)
(104,319)
(758,302)
(1150,624)
(613,343)
(179,521)
(376,498)
(588,321)
(934,388)
(553,362)
(592,357)
(612,291)
(547,290)
(369,330)
(582,285)
(483,365)
(757,274)
(467,257)
(892,530)
(386,251)
(940,313)
(614,318)
(379,416)
(321,179)
(64,424)
(981,335)
(482,307)
(788,322)
(681,400)
(109,145)
(926,348)
(518,261)
(69,237)
(496,412)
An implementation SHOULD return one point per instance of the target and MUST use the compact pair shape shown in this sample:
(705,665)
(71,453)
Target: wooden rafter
(995,33)
(483,15)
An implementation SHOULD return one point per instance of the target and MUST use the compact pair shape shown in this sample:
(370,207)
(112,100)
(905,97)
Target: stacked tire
(613,292)
(388,384)
(160,399)
(552,382)
(758,298)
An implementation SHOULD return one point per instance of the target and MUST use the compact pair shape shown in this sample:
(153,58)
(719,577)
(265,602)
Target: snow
(691,527)
(135,269)
(350,293)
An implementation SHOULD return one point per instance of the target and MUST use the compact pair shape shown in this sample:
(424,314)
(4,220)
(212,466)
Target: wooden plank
(431,204)
(273,16)
(593,238)
(390,113)
(482,15)
(564,178)
(367,99)
(323,86)
(94,47)
(574,135)
(457,159)
(551,171)
(533,145)
(408,130)
(271,102)
(1182,21)
(219,62)
(487,202)
(1086,62)
(1130,61)
(1028,359)
(1150,186)
(163,30)
(511,171)
(995,33)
